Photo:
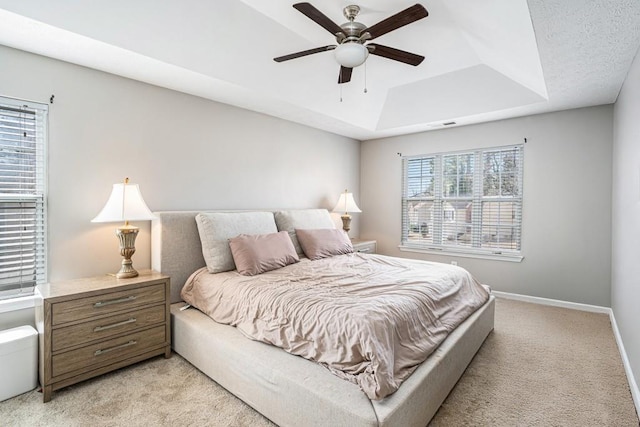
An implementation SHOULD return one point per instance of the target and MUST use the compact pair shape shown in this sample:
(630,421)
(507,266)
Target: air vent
(449,123)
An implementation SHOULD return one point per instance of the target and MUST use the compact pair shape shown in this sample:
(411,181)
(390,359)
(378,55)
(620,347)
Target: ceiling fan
(351,37)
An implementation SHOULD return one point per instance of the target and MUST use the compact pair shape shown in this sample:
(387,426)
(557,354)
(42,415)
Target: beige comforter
(370,319)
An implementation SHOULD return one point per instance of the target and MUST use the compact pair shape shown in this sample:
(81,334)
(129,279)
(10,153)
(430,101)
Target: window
(464,202)
(23,133)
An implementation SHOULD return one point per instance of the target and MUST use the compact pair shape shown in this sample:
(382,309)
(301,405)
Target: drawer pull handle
(107,350)
(364,251)
(115,325)
(114,301)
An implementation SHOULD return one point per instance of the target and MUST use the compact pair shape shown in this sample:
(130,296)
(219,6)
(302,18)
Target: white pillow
(216,228)
(304,218)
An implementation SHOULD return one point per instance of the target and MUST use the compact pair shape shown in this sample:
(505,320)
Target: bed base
(287,389)
(292,391)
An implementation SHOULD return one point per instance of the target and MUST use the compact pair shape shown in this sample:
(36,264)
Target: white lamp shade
(351,54)
(125,204)
(346,204)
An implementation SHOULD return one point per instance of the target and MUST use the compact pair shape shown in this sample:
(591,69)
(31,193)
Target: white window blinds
(23,133)
(464,201)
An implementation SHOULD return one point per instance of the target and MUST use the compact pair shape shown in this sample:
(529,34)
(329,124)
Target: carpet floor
(541,366)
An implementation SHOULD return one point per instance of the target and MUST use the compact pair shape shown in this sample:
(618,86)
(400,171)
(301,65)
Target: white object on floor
(18,361)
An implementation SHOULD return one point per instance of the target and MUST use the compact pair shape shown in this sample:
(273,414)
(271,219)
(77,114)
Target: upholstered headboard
(175,247)
(175,242)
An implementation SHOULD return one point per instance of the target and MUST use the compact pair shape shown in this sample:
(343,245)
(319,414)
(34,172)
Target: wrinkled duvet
(369,319)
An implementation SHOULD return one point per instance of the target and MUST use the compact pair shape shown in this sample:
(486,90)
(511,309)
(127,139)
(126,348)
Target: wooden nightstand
(364,246)
(91,326)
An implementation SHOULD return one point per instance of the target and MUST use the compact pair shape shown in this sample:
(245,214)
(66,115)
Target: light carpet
(541,366)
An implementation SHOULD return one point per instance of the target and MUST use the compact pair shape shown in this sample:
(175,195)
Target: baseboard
(553,302)
(633,385)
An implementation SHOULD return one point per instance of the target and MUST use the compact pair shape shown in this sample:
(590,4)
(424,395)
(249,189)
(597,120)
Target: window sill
(20,303)
(461,254)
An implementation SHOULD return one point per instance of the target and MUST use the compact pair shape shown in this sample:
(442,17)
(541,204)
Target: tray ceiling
(485,60)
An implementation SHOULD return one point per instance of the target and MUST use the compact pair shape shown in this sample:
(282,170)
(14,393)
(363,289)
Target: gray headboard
(175,244)
(175,247)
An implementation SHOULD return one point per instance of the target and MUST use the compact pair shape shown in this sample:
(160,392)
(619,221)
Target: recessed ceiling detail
(461,93)
(483,60)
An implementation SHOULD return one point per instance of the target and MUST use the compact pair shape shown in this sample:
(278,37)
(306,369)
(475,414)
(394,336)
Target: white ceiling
(485,60)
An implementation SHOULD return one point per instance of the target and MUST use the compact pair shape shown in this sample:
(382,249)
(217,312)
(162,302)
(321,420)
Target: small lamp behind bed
(345,205)
(125,204)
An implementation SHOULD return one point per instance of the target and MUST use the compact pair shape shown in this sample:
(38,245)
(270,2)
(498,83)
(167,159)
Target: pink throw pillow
(258,253)
(323,243)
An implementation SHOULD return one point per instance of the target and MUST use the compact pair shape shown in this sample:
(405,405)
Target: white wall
(184,152)
(625,267)
(567,210)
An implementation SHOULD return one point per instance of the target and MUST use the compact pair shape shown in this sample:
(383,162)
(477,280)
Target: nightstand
(364,246)
(91,326)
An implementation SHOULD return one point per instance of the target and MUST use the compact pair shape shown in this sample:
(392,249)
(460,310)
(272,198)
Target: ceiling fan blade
(345,75)
(304,53)
(318,17)
(395,54)
(400,19)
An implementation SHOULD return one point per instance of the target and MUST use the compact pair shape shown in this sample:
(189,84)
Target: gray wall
(566,236)
(625,266)
(184,152)
(15,318)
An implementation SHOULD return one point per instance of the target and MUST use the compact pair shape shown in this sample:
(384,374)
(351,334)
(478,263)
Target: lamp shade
(351,54)
(346,204)
(125,204)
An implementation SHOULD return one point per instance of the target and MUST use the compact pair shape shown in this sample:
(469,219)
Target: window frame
(11,198)
(474,210)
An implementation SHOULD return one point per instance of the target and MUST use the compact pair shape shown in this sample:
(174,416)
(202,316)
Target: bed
(288,389)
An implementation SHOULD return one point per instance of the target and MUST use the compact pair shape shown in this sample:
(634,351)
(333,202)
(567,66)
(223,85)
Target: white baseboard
(633,385)
(552,302)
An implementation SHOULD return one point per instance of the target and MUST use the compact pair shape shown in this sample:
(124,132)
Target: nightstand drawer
(365,246)
(106,327)
(106,303)
(108,351)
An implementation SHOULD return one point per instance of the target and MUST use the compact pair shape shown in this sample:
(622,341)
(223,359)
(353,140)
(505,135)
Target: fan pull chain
(365,77)
(340,86)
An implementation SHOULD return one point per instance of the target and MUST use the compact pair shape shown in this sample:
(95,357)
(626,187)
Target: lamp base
(346,222)
(127,237)
(126,271)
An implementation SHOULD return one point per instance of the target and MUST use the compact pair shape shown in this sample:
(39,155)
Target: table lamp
(125,204)
(345,205)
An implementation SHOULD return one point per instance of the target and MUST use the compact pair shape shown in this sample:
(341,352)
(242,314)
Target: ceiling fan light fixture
(351,54)
(352,35)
